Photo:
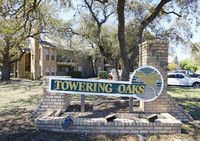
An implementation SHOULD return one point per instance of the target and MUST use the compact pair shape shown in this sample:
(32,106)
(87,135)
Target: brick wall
(51,101)
(155,53)
(164,125)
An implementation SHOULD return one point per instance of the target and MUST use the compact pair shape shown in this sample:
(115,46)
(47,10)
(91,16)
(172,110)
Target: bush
(187,65)
(28,74)
(103,74)
(172,66)
(75,74)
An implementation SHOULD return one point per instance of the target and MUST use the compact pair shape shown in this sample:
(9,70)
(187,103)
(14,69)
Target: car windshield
(191,73)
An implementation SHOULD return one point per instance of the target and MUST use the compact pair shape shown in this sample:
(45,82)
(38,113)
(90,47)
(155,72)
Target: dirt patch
(100,109)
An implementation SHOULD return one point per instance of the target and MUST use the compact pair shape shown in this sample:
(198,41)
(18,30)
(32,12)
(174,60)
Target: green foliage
(75,74)
(103,74)
(28,74)
(172,66)
(188,65)
(22,19)
(195,53)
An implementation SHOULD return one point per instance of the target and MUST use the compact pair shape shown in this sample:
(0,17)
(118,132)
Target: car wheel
(196,85)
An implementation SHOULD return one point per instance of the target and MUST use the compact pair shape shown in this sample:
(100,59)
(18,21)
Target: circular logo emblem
(152,79)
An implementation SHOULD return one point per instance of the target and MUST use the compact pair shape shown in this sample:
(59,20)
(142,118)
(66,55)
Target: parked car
(181,79)
(187,72)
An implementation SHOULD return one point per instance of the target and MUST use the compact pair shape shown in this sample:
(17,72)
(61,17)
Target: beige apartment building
(41,59)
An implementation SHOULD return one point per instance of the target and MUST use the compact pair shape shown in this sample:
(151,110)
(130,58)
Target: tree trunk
(114,71)
(94,70)
(6,67)
(126,72)
(121,37)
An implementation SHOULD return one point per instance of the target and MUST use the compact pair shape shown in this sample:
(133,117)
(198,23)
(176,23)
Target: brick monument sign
(151,53)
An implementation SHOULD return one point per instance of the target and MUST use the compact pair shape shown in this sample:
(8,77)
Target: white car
(180,79)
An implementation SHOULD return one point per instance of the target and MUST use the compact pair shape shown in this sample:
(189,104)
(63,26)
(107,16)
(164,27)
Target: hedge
(75,74)
(103,74)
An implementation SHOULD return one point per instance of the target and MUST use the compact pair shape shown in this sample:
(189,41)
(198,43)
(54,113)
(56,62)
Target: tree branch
(75,33)
(154,14)
(171,12)
(99,24)
(33,35)
(102,1)
(106,17)
(19,58)
(91,11)
(2,52)
(143,25)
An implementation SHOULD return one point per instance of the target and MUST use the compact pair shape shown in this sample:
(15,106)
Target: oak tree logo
(151,79)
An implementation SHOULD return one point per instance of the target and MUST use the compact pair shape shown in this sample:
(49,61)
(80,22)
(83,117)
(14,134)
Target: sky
(182,53)
(185,54)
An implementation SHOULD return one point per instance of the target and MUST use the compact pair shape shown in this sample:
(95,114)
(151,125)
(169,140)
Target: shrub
(75,74)
(188,65)
(172,66)
(103,74)
(28,74)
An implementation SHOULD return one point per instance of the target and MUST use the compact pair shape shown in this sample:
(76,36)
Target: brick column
(21,67)
(155,53)
(51,101)
(54,101)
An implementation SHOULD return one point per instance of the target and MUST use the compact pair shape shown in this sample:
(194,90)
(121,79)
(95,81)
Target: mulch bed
(100,109)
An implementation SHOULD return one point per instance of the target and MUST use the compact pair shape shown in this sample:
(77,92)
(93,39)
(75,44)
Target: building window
(52,54)
(39,53)
(52,71)
(67,69)
(47,54)
(47,71)
(99,60)
(40,71)
(80,68)
(99,69)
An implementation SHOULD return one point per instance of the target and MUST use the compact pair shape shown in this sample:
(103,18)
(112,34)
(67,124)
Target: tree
(96,30)
(172,66)
(20,20)
(195,53)
(188,65)
(147,15)
(103,37)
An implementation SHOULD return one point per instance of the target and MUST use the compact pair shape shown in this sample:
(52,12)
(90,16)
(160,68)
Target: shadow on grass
(20,83)
(180,89)
(193,111)
(178,99)
(192,128)
(15,126)
(191,105)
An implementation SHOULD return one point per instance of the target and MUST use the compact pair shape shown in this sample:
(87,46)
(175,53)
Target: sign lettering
(146,84)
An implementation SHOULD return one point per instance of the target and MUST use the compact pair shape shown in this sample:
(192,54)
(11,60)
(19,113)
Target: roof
(66,44)
(46,43)
(173,59)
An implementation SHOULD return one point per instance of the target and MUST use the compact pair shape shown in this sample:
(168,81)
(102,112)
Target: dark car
(187,72)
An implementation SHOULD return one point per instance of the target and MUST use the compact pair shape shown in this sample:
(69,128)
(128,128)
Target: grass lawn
(188,99)
(19,98)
